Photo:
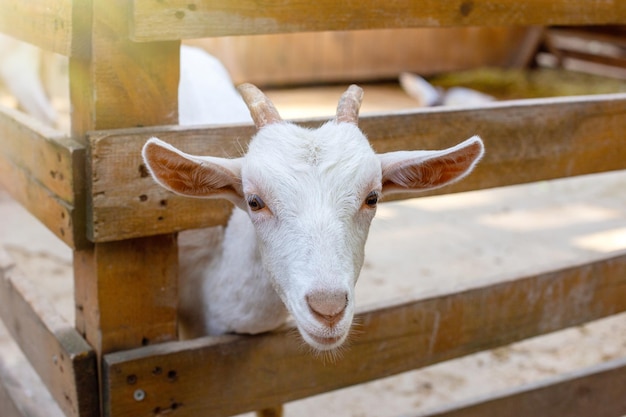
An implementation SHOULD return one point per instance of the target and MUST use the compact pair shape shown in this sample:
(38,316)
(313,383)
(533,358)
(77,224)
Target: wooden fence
(90,189)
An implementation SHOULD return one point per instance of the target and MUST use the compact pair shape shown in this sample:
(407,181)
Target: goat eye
(372,199)
(255,203)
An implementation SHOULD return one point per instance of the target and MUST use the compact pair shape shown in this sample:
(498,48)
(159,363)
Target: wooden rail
(119,83)
(185,19)
(203,376)
(588,392)
(21,394)
(64,361)
(48,24)
(42,169)
(526,140)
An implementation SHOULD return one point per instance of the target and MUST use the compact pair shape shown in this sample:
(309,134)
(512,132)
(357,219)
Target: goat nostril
(327,307)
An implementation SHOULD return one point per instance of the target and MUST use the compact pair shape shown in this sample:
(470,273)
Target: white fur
(206,94)
(20,64)
(302,253)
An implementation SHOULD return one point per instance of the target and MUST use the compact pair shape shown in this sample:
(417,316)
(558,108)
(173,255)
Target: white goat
(206,94)
(20,65)
(305,200)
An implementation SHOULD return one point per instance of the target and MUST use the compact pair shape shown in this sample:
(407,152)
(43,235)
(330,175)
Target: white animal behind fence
(304,201)
(20,73)
(206,94)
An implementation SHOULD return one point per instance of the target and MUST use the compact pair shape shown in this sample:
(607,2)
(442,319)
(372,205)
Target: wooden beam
(64,361)
(22,394)
(124,84)
(8,403)
(526,140)
(57,215)
(203,376)
(133,301)
(43,169)
(595,391)
(47,153)
(184,19)
(44,23)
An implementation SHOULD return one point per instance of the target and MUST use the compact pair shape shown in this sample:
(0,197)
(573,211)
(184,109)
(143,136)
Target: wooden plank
(56,214)
(204,376)
(597,391)
(364,55)
(156,210)
(45,23)
(8,403)
(184,19)
(525,141)
(124,84)
(53,161)
(43,169)
(22,394)
(126,298)
(64,361)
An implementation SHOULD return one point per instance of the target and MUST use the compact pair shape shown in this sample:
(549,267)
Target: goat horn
(349,105)
(261,108)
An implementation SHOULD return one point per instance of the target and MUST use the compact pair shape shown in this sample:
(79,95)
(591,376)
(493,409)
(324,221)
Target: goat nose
(327,307)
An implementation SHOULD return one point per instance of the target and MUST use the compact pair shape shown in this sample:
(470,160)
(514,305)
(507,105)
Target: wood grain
(64,361)
(43,169)
(48,154)
(203,376)
(184,19)
(44,23)
(53,212)
(593,391)
(364,55)
(526,140)
(125,291)
(9,404)
(127,296)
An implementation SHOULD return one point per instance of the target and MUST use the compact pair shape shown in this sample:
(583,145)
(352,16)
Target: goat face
(311,196)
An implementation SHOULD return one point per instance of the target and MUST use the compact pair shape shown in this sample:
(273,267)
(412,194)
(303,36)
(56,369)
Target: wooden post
(125,291)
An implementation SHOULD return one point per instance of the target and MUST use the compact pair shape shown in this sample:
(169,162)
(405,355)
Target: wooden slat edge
(22,394)
(205,375)
(64,361)
(181,19)
(57,215)
(597,391)
(43,169)
(525,141)
(8,403)
(44,23)
(46,153)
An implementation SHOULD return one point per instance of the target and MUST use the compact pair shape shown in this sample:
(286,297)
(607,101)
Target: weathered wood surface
(22,394)
(206,375)
(527,140)
(47,24)
(184,19)
(597,391)
(126,292)
(43,169)
(365,55)
(126,297)
(64,361)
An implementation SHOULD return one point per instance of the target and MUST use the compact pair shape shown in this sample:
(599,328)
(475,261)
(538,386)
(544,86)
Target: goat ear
(193,176)
(413,171)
